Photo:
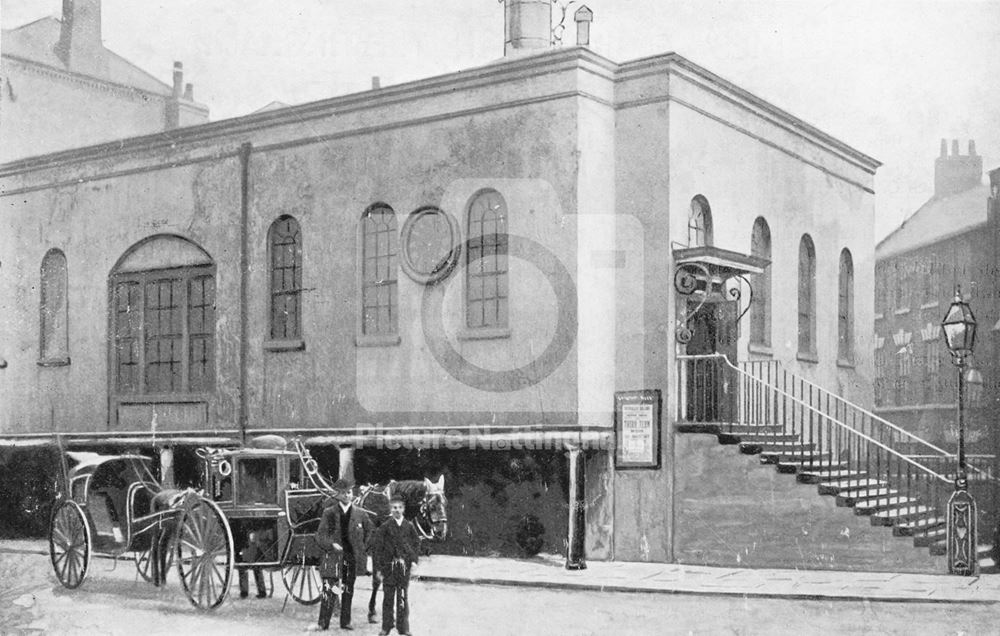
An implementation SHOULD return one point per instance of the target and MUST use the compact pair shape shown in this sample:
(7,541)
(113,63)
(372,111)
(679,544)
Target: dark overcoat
(394,541)
(328,537)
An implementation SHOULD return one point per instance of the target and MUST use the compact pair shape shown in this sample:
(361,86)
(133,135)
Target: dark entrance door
(712,386)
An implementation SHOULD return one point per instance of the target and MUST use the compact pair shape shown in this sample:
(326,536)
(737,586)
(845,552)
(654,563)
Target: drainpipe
(575,559)
(245,150)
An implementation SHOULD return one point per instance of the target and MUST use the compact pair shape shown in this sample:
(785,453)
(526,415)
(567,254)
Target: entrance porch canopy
(720,262)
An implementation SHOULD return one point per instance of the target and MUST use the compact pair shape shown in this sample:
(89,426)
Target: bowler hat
(344,487)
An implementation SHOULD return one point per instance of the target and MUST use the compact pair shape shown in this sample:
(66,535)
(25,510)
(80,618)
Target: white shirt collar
(344,506)
(399,521)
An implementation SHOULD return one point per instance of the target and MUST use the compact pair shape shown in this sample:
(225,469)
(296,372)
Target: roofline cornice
(540,64)
(550,61)
(90,79)
(683,67)
(972,229)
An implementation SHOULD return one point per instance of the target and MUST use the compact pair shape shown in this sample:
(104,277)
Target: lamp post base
(961,533)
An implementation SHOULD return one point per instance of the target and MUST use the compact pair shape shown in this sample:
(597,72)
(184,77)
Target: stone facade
(597,164)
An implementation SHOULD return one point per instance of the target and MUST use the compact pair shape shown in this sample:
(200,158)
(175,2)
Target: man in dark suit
(394,552)
(345,529)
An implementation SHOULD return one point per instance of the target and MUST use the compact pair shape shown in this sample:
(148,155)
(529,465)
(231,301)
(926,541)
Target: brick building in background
(953,239)
(60,88)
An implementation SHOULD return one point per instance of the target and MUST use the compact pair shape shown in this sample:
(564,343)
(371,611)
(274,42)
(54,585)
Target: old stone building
(60,88)
(472,274)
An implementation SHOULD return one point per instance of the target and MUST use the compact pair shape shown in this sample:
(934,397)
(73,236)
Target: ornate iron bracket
(737,294)
(686,284)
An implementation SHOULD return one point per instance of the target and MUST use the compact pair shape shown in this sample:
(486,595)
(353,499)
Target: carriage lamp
(959,326)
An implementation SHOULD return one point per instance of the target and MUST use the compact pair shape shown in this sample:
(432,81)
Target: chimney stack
(956,173)
(527,26)
(79,46)
(189,92)
(178,79)
(583,17)
(376,83)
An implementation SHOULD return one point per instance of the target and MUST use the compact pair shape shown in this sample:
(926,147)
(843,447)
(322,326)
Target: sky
(889,77)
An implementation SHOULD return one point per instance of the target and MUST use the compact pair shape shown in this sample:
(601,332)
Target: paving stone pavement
(668,578)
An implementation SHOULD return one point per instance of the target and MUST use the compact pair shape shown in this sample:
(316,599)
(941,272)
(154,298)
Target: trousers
(348,575)
(395,600)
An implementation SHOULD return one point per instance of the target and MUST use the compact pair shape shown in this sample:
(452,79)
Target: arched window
(379,251)
(163,319)
(700,222)
(285,243)
(54,309)
(486,272)
(807,296)
(845,308)
(760,310)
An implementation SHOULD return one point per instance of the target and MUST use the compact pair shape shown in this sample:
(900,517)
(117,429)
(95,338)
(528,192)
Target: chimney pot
(957,173)
(944,147)
(527,26)
(583,17)
(376,83)
(189,92)
(178,79)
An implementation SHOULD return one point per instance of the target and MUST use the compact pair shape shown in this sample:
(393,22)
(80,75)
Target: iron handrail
(809,407)
(872,416)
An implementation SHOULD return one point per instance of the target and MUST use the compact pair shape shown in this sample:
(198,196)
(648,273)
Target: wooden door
(712,385)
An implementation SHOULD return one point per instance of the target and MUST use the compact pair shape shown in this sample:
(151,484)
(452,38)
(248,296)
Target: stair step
(750,429)
(752,448)
(871,506)
(806,456)
(794,467)
(843,486)
(895,515)
(853,496)
(823,476)
(983,552)
(924,539)
(754,438)
(916,526)
(698,427)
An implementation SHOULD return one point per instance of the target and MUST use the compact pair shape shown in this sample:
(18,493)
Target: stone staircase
(869,496)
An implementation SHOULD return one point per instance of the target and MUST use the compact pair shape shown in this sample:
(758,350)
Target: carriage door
(712,387)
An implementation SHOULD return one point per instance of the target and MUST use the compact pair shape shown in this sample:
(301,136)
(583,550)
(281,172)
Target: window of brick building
(379,281)
(700,223)
(285,256)
(845,308)
(807,297)
(760,310)
(487,286)
(164,331)
(54,310)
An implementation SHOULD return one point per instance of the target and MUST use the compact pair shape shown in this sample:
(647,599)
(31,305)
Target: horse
(425,508)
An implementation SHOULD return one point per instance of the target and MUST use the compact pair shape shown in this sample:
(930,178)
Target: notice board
(637,429)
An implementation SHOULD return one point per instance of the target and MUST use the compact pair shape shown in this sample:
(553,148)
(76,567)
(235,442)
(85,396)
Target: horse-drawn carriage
(112,504)
(258,507)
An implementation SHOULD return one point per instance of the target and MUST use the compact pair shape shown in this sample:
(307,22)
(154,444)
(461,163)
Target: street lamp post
(959,326)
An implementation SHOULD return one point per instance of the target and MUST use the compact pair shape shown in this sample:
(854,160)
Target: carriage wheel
(302,582)
(143,563)
(69,544)
(205,554)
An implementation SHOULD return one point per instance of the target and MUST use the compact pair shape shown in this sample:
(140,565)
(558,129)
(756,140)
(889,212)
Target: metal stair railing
(774,372)
(713,390)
